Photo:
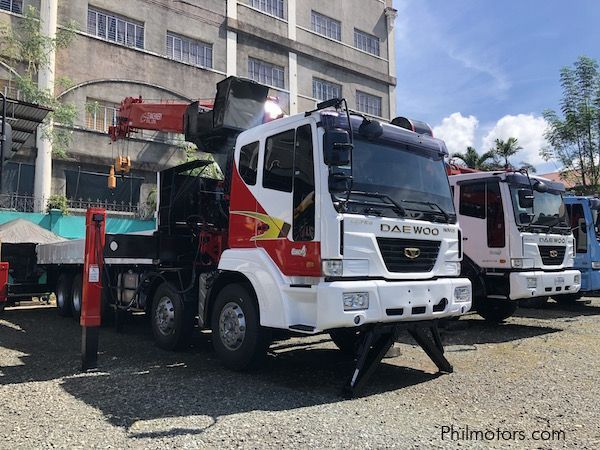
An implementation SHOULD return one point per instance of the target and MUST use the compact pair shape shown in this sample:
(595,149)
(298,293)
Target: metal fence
(26,203)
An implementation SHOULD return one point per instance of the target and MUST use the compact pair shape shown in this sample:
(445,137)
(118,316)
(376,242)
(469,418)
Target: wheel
(172,322)
(567,299)
(77,296)
(347,340)
(534,302)
(496,311)
(2,306)
(238,339)
(64,291)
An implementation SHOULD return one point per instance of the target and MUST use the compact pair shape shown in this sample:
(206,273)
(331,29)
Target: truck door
(288,179)
(482,220)
(578,225)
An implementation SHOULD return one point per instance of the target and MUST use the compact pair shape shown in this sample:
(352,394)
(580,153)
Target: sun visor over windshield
(391,133)
(520,179)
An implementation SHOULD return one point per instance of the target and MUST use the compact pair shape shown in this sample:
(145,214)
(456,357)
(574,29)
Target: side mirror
(336,147)
(525,198)
(524,218)
(339,182)
(7,145)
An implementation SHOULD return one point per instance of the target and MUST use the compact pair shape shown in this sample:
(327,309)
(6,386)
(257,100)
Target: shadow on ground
(138,382)
(554,310)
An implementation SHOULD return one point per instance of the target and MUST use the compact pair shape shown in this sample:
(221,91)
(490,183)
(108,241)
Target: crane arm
(134,114)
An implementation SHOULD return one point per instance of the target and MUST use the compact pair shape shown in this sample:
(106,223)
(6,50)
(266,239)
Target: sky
(478,70)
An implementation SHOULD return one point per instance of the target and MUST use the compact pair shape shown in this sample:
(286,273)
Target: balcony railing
(27,203)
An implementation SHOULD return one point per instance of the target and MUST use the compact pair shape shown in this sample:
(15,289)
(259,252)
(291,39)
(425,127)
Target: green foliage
(25,44)
(152,199)
(57,202)
(193,154)
(505,149)
(574,132)
(474,160)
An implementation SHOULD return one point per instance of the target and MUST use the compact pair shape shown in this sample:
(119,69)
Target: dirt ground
(531,382)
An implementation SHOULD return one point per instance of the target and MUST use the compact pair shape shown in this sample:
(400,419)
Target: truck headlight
(531,282)
(333,267)
(354,301)
(521,263)
(595,264)
(452,268)
(462,294)
(577,279)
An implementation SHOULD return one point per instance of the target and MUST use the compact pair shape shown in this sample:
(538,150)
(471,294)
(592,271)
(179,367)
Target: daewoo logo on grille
(412,253)
(553,253)
(409,229)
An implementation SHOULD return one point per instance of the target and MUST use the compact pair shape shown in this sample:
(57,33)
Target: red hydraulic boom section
(134,114)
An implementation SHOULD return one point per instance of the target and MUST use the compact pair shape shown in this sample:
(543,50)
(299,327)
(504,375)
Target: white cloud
(458,131)
(527,128)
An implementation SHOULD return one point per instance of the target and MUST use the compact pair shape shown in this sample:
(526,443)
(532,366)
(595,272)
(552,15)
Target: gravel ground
(535,373)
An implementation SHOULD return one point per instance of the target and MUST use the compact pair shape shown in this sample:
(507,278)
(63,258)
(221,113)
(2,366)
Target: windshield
(411,184)
(548,210)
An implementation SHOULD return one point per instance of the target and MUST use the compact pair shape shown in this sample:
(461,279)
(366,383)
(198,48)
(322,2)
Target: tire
(64,290)
(347,340)
(568,299)
(535,302)
(496,311)
(172,322)
(77,296)
(2,306)
(238,339)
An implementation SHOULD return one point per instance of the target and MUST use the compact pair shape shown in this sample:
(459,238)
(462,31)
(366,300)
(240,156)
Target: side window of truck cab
(578,225)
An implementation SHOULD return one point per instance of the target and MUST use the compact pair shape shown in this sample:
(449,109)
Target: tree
(528,167)
(474,160)
(23,45)
(574,134)
(506,149)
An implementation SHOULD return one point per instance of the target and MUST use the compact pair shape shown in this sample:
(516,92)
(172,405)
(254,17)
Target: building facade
(306,51)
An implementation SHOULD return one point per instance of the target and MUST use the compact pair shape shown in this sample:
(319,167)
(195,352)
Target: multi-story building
(306,51)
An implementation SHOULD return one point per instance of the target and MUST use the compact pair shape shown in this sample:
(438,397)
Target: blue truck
(585,222)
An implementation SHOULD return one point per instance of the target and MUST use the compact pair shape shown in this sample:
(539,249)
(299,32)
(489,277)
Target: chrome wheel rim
(77,300)
(232,326)
(165,316)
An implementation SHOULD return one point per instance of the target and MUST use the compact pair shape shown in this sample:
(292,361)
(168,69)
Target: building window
(266,73)
(115,28)
(325,90)
(273,7)
(100,115)
(15,6)
(83,188)
(366,42)
(189,51)
(369,104)
(326,26)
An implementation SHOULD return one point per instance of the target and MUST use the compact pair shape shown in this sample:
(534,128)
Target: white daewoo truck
(517,240)
(324,221)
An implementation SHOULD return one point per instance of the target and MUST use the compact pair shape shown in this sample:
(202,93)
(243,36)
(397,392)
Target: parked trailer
(518,245)
(325,221)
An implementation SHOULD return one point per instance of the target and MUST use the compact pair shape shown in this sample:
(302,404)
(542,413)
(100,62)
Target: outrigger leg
(379,339)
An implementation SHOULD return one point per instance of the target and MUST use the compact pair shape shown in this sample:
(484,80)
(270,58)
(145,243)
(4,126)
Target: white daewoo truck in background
(517,241)
(324,221)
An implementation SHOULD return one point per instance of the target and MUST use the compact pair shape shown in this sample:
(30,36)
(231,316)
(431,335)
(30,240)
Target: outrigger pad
(380,338)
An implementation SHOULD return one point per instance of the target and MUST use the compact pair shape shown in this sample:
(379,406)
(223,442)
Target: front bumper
(389,301)
(546,283)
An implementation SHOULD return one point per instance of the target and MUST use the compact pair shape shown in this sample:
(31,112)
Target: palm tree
(506,149)
(473,159)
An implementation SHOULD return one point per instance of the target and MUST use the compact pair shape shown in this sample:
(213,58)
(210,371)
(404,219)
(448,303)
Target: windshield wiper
(551,226)
(391,202)
(432,204)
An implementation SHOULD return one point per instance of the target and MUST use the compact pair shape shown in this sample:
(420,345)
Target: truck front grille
(399,254)
(552,255)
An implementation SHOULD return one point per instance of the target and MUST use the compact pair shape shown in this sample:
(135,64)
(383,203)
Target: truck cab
(517,240)
(585,223)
